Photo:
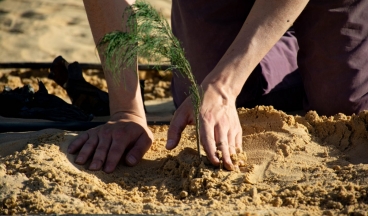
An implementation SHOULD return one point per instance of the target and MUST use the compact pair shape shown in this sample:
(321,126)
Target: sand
(157,83)
(41,30)
(296,165)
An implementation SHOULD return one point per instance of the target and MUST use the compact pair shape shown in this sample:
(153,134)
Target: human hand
(220,126)
(124,134)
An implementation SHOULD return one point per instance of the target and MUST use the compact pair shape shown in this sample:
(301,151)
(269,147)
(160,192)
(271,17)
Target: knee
(332,103)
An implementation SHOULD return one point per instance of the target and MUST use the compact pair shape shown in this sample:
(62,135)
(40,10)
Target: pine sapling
(149,36)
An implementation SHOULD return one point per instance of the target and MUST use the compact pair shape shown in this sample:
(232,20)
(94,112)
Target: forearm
(264,26)
(105,17)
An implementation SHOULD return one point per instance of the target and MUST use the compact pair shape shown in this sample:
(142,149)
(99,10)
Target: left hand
(220,127)
(125,135)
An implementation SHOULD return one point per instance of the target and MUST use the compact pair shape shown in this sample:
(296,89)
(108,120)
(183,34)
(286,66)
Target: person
(241,56)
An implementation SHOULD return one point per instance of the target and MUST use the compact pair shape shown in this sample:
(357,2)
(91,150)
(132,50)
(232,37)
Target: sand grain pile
(296,165)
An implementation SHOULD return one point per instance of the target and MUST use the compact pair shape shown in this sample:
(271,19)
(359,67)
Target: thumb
(177,125)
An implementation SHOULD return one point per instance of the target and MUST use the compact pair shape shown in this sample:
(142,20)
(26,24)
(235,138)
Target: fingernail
(93,166)
(79,159)
(170,144)
(131,160)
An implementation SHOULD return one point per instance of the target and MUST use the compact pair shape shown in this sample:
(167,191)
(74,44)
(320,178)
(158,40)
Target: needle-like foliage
(148,35)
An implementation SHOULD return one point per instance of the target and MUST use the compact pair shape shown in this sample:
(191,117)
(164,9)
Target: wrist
(219,93)
(127,115)
(125,108)
(133,108)
(128,102)
(222,85)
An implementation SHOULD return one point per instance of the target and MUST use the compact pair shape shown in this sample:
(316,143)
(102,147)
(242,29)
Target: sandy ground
(311,165)
(40,30)
(295,165)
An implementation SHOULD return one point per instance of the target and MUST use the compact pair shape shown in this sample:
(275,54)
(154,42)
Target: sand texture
(296,165)
(157,83)
(41,30)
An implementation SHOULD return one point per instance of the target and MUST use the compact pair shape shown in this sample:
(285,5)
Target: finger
(102,149)
(232,148)
(208,142)
(77,143)
(222,144)
(120,141)
(87,149)
(231,138)
(139,149)
(177,125)
(239,141)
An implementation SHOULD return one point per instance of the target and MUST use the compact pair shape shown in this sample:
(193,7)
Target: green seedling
(149,36)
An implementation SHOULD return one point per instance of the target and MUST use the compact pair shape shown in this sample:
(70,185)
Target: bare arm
(127,130)
(105,17)
(220,126)
(266,23)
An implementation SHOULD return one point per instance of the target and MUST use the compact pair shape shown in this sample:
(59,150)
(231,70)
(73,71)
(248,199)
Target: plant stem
(149,36)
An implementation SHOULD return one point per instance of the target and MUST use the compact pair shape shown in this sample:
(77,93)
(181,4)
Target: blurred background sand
(40,30)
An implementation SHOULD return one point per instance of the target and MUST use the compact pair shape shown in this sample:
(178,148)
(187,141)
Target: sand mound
(296,165)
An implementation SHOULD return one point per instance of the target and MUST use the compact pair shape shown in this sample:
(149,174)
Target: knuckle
(117,149)
(89,144)
(149,140)
(83,136)
(74,144)
(232,148)
(207,117)
(79,139)
(175,130)
(120,135)
(141,148)
(98,157)
(239,129)
(239,145)
(105,132)
(139,151)
(102,148)
(222,145)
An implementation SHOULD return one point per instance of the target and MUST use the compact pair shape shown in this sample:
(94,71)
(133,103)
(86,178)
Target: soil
(310,165)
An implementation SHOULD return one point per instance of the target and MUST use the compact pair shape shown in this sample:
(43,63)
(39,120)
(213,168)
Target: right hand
(124,134)
(220,126)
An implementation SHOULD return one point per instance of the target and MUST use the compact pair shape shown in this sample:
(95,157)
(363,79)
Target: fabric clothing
(333,55)
(206,29)
(332,38)
(276,80)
